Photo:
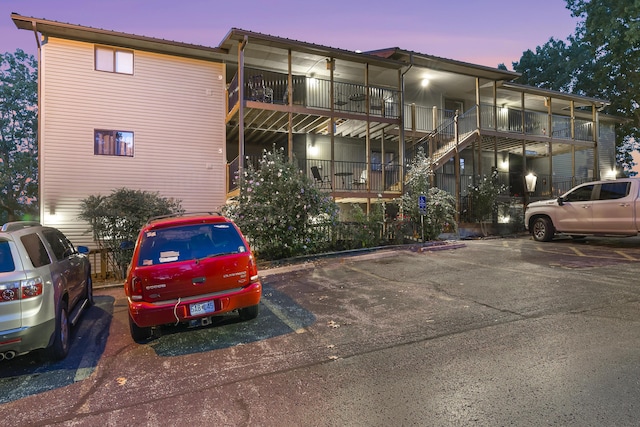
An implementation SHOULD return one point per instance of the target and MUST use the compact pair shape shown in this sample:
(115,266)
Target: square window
(113,60)
(113,143)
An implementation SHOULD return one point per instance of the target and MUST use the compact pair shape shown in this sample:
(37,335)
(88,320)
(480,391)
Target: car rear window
(35,249)
(6,259)
(189,242)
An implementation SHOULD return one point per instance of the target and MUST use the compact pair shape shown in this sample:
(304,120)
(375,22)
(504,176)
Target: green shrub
(118,218)
(440,208)
(280,210)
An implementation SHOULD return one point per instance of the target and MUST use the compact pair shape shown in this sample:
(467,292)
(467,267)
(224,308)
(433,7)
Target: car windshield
(6,259)
(189,242)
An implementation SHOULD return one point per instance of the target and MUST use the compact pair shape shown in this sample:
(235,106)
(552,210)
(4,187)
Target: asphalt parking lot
(488,332)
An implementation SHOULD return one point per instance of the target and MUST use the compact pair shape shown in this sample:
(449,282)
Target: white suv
(45,283)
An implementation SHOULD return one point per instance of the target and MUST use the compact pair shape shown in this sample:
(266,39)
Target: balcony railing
(535,123)
(347,177)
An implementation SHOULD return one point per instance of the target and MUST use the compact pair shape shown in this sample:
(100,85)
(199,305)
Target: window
(114,60)
(580,194)
(112,143)
(62,247)
(614,190)
(35,249)
(6,259)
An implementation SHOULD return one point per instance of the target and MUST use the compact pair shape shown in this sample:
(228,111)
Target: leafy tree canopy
(600,60)
(18,136)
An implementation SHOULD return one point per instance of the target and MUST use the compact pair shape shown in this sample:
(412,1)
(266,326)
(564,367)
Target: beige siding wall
(175,108)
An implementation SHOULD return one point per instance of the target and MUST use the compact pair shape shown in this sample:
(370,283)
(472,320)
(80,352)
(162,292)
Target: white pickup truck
(600,208)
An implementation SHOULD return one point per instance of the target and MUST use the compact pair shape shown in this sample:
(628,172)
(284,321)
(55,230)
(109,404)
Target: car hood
(549,202)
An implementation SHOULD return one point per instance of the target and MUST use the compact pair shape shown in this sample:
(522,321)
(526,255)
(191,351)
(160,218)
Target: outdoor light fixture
(424,82)
(313,150)
(530,180)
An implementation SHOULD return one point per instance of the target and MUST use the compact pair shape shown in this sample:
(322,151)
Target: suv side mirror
(560,201)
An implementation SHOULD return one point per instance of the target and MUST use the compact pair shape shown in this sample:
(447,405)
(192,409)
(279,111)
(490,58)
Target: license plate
(199,308)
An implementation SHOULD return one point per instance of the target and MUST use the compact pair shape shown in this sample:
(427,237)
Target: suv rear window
(6,259)
(189,242)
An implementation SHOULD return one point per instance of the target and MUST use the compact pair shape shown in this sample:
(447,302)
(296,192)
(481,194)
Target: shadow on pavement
(279,315)
(32,373)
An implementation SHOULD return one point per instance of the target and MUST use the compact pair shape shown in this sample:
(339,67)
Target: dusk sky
(486,32)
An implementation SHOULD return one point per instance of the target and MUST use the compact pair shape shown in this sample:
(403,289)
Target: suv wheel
(542,230)
(60,347)
(139,334)
(249,312)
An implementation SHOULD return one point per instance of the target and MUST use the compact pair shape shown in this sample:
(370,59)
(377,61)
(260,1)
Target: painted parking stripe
(289,321)
(625,255)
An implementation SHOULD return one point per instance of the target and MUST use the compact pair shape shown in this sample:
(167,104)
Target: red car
(187,268)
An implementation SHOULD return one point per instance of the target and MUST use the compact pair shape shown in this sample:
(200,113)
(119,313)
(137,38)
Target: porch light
(531,180)
(313,150)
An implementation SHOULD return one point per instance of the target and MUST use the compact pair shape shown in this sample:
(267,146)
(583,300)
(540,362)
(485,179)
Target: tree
(600,60)
(18,136)
(280,209)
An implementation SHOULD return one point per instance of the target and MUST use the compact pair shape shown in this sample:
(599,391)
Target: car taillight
(136,288)
(31,287)
(9,291)
(253,269)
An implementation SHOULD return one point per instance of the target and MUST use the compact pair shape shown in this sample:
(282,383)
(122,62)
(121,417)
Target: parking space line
(625,255)
(291,323)
(576,251)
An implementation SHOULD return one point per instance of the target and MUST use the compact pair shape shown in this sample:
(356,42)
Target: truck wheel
(60,347)
(542,230)
(139,334)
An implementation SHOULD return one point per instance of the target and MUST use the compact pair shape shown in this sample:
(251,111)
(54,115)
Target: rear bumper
(24,340)
(146,314)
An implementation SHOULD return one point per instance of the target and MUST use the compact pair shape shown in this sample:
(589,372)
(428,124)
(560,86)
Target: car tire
(60,347)
(138,333)
(542,229)
(249,313)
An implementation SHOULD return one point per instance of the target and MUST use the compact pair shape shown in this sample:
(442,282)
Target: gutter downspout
(39,122)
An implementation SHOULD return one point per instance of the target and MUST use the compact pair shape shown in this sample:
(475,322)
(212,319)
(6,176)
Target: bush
(280,210)
(118,218)
(440,207)
(483,199)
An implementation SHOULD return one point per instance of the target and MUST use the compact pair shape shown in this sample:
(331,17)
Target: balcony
(360,111)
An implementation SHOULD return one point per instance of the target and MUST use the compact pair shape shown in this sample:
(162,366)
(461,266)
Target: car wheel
(89,290)
(249,313)
(60,347)
(138,333)
(542,230)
